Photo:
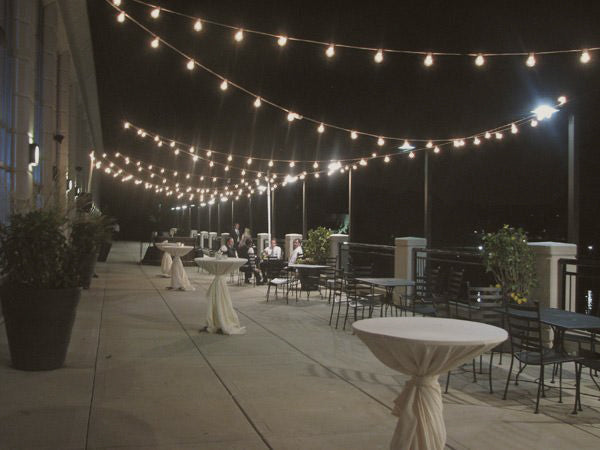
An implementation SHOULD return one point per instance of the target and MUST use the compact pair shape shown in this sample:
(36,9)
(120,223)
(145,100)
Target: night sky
(520,180)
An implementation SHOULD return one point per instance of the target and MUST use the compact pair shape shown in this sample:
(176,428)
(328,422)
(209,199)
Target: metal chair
(525,332)
(426,288)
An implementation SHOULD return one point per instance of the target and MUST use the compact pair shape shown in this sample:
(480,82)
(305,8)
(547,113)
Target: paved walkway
(139,374)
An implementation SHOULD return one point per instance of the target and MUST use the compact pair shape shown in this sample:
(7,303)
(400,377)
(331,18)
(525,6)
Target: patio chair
(356,299)
(336,295)
(442,302)
(426,289)
(327,275)
(485,305)
(525,334)
(280,280)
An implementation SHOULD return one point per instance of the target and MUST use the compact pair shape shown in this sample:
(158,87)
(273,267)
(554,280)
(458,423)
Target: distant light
(476,141)
(429,144)
(292,163)
(480,247)
(436,149)
(239,36)
(198,25)
(155,13)
(378,58)
(585,57)
(316,165)
(406,146)
(353,135)
(544,112)
(386,159)
(411,155)
(530,62)
(321,128)
(121,17)
(191,64)
(282,41)
(562,100)
(513,129)
(590,247)
(116,2)
(380,142)
(271,163)
(126,125)
(499,135)
(154,42)
(428,61)
(224,85)
(249,161)
(257,102)
(363,162)
(330,51)
(479,60)
(534,123)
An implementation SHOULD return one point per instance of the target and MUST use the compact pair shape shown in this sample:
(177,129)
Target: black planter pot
(38,325)
(88,265)
(104,251)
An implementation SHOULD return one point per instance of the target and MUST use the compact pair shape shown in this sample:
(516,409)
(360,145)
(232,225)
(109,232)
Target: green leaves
(316,248)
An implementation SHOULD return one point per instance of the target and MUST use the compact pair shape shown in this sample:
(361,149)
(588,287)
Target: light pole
(269,209)
(350,205)
(304,225)
(572,187)
(426,201)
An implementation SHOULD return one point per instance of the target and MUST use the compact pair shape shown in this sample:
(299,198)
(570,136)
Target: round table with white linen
(220,314)
(179,278)
(166,261)
(424,347)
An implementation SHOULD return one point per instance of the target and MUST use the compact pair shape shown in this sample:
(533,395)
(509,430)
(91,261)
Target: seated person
(231,248)
(250,267)
(297,252)
(273,251)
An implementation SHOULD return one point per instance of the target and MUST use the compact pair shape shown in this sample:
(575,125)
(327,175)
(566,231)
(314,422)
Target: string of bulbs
(378,53)
(192,63)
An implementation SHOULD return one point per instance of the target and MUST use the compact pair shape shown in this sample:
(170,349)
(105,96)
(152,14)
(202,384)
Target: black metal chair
(426,288)
(275,275)
(326,277)
(525,334)
(441,303)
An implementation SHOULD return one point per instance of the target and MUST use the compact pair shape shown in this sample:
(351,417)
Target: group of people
(241,245)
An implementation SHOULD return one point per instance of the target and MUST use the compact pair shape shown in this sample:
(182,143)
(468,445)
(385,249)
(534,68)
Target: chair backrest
(485,305)
(524,328)
(252,261)
(355,271)
(331,261)
(454,284)
(427,285)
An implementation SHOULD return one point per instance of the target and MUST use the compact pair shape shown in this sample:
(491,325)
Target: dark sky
(520,180)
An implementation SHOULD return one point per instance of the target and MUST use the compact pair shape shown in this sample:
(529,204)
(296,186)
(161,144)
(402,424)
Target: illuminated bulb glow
(514,129)
(436,149)
(386,159)
(380,142)
(585,57)
(316,165)
(378,58)
(317,175)
(353,135)
(117,2)
(176,151)
(257,102)
(406,146)
(530,62)
(487,135)
(362,162)
(126,125)
(192,149)
(330,51)
(208,153)
(544,112)
(195,158)
(224,85)
(121,17)
(154,42)
(321,128)
(429,144)
(172,144)
(476,141)
(428,60)
(411,155)
(198,25)
(155,13)
(249,161)
(534,123)
(479,60)
(270,163)
(562,100)
(281,41)
(229,158)
(191,64)
(239,36)
(499,135)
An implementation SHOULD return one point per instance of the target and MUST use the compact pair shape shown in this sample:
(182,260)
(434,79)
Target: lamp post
(219,217)
(209,216)
(269,209)
(350,205)
(250,213)
(572,188)
(426,201)
(304,225)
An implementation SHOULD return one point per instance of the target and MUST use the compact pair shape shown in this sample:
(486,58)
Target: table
(389,284)
(308,280)
(220,314)
(179,278)
(167,261)
(424,347)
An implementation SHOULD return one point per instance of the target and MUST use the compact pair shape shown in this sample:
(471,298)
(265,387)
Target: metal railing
(579,285)
(380,257)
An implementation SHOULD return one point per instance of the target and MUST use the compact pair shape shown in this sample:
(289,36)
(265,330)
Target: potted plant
(41,289)
(315,251)
(510,259)
(89,233)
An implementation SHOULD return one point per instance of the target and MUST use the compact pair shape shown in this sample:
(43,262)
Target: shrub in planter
(41,289)
(88,235)
(316,247)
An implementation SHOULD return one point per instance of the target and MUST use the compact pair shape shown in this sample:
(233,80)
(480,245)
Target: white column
(23,118)
(49,60)
(289,244)
(203,239)
(224,237)
(334,241)
(263,241)
(547,255)
(212,237)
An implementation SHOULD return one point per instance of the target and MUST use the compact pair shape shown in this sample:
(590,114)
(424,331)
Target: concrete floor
(140,375)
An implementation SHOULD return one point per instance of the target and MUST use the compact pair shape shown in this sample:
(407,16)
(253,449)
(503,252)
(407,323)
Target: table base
(220,314)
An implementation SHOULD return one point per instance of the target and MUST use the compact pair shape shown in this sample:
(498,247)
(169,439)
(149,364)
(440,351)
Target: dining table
(308,275)
(389,284)
(424,348)
(179,278)
(220,315)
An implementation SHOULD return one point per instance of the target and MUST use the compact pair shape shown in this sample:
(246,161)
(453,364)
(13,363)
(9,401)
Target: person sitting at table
(250,267)
(273,251)
(297,252)
(231,249)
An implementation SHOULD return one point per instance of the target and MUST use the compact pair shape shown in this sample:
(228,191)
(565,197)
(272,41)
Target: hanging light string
(194,152)
(259,100)
(283,39)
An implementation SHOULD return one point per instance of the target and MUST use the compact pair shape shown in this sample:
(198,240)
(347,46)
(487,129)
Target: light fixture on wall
(70,184)
(34,154)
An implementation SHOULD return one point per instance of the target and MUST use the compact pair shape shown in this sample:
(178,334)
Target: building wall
(41,102)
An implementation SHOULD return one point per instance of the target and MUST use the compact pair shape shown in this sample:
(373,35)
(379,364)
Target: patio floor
(140,374)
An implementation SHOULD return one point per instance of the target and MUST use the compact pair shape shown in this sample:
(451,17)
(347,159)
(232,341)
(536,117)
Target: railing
(579,285)
(381,257)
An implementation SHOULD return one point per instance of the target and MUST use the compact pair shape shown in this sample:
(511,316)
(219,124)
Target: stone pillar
(547,255)
(193,233)
(212,237)
(263,241)
(289,244)
(203,239)
(334,247)
(48,99)
(23,99)
(224,237)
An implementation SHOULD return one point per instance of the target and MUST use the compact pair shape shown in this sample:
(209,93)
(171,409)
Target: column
(334,246)
(263,241)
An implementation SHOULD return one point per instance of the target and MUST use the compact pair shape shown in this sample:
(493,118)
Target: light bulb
(191,64)
(282,41)
(211,164)
(292,163)
(192,149)
(243,172)
(353,135)
(321,128)
(479,60)
(316,165)
(330,51)
(226,168)
(428,61)
(530,60)
(156,138)
(126,125)
(429,144)
(411,155)
(257,102)
(436,149)
(488,135)
(291,116)
(198,25)
(176,152)
(534,123)
(363,162)
(239,36)
(172,144)
(121,17)
(386,159)
(224,85)
(154,42)
(229,158)
(380,142)
(499,135)
(117,2)
(159,143)
(195,158)
(476,141)
(155,13)
(249,161)
(270,163)
(585,57)
(514,129)
(378,56)
(562,100)
(208,153)
(317,175)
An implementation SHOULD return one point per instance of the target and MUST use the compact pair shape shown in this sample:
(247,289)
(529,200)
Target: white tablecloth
(167,261)
(424,347)
(179,278)
(220,314)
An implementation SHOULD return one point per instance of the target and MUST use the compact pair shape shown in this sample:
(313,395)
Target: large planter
(38,325)
(88,265)
(104,251)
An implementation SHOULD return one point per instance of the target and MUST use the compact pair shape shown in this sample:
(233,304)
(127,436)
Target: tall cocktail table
(424,347)
(179,278)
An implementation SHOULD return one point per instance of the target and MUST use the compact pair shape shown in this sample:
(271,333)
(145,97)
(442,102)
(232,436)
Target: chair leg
(474,372)
(512,360)
(540,389)
(577,387)
(560,383)
(447,382)
(268,291)
(490,372)
(331,315)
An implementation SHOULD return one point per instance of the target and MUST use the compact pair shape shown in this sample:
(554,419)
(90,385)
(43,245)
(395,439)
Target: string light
(208,153)
(353,135)
(534,123)
(257,102)
(249,161)
(488,135)
(436,149)
(155,13)
(291,116)
(386,159)
(292,163)
(330,52)
(121,17)
(406,146)
(229,158)
(321,128)
(126,125)
(378,58)
(116,2)
(499,135)
(380,142)
(585,57)
(271,163)
(239,36)
(154,42)
(224,85)
(281,41)
(428,61)
(530,60)
(192,149)
(476,141)
(562,100)
(514,129)
(315,165)
(429,144)
(191,64)
(198,25)
(479,60)
(411,155)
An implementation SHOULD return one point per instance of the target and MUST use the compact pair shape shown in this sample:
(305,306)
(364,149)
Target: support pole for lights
(350,205)
(273,214)
(426,201)
(572,188)
(250,214)
(232,222)
(304,225)
(219,217)
(209,216)
(269,209)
